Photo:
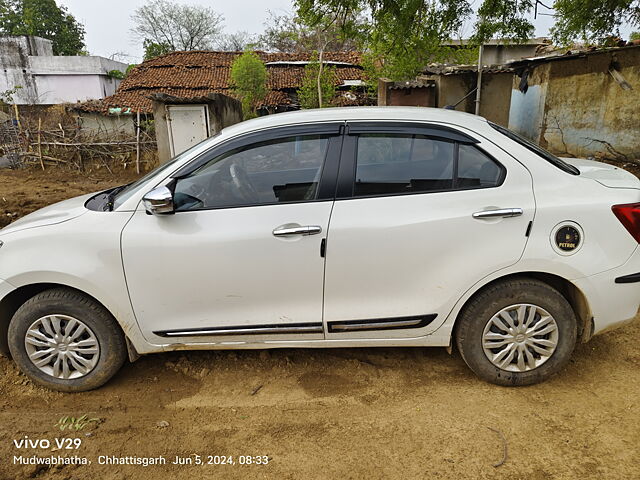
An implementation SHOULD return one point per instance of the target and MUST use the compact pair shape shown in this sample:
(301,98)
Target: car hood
(607,175)
(56,213)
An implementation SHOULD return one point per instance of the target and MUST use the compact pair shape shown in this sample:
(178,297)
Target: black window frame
(346,181)
(329,168)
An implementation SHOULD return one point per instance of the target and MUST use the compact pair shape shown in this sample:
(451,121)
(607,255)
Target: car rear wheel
(65,340)
(517,332)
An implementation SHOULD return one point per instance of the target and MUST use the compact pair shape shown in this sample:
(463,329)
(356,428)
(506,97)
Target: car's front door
(422,213)
(239,260)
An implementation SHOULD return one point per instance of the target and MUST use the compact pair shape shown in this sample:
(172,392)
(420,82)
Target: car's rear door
(239,261)
(422,213)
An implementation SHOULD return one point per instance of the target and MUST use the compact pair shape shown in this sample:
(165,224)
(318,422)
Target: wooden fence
(29,142)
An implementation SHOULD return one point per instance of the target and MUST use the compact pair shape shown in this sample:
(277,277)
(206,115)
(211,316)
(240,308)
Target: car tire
(517,332)
(64,340)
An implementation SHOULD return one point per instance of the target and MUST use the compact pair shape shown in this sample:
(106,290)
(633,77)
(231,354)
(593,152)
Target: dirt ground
(321,414)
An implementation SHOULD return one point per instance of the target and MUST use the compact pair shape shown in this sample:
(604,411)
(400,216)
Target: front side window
(274,171)
(398,163)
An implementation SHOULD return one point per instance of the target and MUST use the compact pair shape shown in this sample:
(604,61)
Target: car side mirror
(159,201)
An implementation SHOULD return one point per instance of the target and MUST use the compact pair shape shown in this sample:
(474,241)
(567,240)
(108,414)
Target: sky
(108,22)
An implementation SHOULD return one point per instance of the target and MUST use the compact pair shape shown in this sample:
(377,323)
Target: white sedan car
(352,227)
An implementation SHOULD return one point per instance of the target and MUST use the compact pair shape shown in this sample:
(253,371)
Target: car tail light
(629,215)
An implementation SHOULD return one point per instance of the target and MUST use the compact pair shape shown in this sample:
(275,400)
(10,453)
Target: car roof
(342,114)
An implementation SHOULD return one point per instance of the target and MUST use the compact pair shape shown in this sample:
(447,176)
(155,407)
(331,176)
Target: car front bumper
(612,303)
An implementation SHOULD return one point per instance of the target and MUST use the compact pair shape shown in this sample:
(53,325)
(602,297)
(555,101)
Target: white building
(45,79)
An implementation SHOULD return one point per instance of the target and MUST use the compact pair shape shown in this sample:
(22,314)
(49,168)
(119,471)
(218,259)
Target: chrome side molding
(241,330)
(381,324)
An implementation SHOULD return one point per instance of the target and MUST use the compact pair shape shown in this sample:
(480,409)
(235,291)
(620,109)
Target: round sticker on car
(567,238)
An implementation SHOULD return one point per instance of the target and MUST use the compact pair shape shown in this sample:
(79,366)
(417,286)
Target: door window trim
(348,161)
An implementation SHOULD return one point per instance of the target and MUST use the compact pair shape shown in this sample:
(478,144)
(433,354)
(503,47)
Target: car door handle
(286,230)
(500,212)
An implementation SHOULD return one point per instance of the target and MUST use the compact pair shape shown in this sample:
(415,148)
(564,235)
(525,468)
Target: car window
(274,171)
(397,163)
(476,169)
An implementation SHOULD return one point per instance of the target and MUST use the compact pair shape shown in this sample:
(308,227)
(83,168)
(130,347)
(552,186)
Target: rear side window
(391,164)
(476,169)
(541,152)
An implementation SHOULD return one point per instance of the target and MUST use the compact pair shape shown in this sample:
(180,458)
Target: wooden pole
(479,83)
(138,143)
(15,108)
(40,142)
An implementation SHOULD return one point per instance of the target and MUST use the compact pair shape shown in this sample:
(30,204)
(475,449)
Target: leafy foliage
(315,79)
(634,36)
(116,74)
(169,25)
(506,19)
(249,82)
(43,18)
(592,20)
(6,96)
(153,49)
(400,37)
(290,33)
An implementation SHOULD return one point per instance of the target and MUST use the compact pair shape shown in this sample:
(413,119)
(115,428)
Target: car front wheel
(65,340)
(517,332)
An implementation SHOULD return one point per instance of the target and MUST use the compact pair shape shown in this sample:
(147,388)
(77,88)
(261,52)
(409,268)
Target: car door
(422,213)
(239,260)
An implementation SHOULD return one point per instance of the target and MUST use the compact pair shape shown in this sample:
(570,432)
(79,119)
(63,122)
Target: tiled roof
(194,74)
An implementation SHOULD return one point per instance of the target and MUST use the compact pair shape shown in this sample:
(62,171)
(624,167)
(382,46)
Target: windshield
(549,157)
(127,192)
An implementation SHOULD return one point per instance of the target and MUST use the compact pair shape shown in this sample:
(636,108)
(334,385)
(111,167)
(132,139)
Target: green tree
(290,33)
(249,82)
(43,18)
(153,49)
(401,36)
(593,20)
(634,36)
(318,87)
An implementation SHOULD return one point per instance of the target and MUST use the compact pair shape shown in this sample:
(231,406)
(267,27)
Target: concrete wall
(107,125)
(450,89)
(162,131)
(575,106)
(495,97)
(453,88)
(27,45)
(413,97)
(501,54)
(46,79)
